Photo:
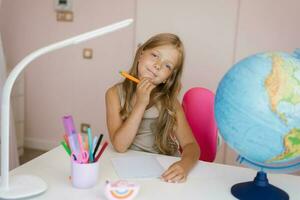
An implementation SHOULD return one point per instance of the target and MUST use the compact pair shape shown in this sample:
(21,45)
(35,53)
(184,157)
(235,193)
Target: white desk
(207,181)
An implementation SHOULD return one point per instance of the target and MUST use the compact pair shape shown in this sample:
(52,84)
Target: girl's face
(158,63)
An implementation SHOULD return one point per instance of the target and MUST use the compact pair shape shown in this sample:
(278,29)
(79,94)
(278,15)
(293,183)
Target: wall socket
(84,127)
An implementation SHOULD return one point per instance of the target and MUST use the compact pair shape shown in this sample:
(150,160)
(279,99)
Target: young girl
(147,116)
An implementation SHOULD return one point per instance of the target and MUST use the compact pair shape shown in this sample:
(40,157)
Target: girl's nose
(157,65)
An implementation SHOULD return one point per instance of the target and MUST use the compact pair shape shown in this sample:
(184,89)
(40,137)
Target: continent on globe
(282,85)
(291,144)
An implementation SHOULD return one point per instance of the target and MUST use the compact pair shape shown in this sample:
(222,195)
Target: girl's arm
(178,171)
(121,132)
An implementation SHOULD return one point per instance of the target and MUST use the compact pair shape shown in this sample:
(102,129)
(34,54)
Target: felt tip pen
(64,144)
(69,125)
(90,145)
(97,145)
(101,151)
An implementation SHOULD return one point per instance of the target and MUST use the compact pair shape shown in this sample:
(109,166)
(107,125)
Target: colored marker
(73,142)
(64,144)
(84,155)
(97,145)
(86,143)
(126,75)
(95,142)
(66,140)
(90,145)
(101,151)
(69,125)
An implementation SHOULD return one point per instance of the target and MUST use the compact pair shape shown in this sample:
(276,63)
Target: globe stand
(258,189)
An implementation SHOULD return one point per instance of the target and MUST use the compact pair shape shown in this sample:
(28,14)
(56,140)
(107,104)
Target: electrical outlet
(84,127)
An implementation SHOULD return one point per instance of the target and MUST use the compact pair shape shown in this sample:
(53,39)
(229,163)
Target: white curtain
(13,155)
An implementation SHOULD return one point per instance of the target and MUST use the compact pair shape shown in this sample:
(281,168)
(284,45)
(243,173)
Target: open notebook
(135,167)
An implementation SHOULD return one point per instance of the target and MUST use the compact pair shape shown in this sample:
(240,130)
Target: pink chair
(198,106)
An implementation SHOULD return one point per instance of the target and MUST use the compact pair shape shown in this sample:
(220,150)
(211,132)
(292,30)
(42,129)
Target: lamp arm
(7,88)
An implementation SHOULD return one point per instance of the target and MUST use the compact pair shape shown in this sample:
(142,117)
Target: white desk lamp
(23,186)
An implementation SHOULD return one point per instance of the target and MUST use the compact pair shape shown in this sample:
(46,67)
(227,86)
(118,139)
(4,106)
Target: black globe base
(258,189)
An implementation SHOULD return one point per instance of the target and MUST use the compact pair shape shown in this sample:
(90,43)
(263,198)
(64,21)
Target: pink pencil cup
(84,175)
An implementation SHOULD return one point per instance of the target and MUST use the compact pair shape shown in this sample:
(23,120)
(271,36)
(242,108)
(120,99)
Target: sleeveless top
(145,138)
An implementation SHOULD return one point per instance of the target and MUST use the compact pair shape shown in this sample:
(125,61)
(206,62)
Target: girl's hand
(144,89)
(175,173)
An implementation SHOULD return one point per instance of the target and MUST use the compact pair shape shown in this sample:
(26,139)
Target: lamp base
(23,186)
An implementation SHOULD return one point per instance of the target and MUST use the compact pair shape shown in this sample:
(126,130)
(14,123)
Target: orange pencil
(126,75)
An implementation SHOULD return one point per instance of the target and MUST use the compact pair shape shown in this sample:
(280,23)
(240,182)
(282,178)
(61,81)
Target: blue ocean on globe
(257,108)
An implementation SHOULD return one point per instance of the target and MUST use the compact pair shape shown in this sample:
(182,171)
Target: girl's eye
(168,66)
(154,55)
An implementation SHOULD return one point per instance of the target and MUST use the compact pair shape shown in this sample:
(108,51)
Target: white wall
(63,82)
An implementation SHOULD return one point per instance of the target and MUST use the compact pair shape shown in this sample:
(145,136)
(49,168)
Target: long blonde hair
(163,96)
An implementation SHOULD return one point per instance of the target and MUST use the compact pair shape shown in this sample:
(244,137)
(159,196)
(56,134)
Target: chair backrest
(198,106)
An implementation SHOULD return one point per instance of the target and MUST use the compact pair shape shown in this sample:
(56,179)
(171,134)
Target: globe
(257,109)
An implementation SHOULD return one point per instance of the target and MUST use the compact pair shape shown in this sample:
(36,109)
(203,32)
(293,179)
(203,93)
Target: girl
(147,116)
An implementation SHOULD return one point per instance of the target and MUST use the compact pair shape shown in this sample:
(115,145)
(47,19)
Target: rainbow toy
(121,189)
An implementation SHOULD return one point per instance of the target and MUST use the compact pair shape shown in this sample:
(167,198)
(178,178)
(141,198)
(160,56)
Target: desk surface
(207,180)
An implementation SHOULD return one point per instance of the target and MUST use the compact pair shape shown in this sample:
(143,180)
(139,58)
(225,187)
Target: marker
(90,145)
(95,142)
(66,140)
(126,75)
(84,155)
(69,125)
(101,151)
(97,145)
(64,144)
(86,143)
(73,142)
